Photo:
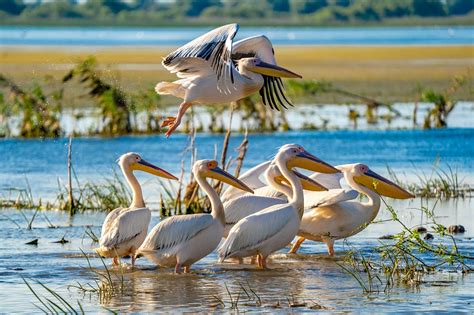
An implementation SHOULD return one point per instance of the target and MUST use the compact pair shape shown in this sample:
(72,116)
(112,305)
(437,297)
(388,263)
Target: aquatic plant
(405,258)
(40,113)
(114,104)
(441,183)
(55,303)
(443,102)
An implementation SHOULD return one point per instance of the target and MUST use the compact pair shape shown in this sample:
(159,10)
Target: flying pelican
(335,214)
(275,193)
(272,228)
(182,240)
(124,229)
(214,70)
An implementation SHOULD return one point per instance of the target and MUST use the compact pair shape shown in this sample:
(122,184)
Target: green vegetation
(405,258)
(213,12)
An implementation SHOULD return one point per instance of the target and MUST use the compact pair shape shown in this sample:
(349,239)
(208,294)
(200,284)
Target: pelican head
(134,162)
(258,66)
(381,185)
(297,156)
(210,169)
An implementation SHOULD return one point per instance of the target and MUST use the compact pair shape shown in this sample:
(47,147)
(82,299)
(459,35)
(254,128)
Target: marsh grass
(440,183)
(107,284)
(52,302)
(405,258)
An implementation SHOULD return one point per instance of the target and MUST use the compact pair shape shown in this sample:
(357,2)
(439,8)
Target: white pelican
(124,229)
(214,70)
(335,214)
(182,240)
(272,228)
(273,194)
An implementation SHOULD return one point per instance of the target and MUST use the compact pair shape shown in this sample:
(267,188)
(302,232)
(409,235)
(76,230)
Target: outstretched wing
(314,199)
(174,231)
(214,47)
(126,227)
(272,92)
(254,229)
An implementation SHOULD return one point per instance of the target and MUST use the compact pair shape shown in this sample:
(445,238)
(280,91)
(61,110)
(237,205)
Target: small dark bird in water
(428,237)
(456,229)
(420,229)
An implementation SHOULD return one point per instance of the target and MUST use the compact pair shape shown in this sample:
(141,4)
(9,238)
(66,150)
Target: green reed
(400,260)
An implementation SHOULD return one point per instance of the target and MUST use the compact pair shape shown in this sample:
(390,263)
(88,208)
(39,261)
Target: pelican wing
(316,199)
(251,231)
(109,219)
(214,47)
(126,226)
(175,230)
(273,90)
(330,181)
(250,178)
(243,206)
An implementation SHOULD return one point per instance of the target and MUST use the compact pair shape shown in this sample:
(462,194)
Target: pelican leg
(330,245)
(253,260)
(297,245)
(263,262)
(173,125)
(177,268)
(168,121)
(186,269)
(133,257)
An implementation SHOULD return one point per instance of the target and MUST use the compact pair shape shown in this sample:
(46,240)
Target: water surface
(120,36)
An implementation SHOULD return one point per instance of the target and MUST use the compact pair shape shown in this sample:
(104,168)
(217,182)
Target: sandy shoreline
(391,73)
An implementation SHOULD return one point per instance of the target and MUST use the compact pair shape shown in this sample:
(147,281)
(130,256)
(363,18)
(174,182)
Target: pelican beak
(382,186)
(309,162)
(274,70)
(223,176)
(306,182)
(144,166)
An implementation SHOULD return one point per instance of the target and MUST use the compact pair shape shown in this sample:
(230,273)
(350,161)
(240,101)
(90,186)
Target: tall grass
(440,183)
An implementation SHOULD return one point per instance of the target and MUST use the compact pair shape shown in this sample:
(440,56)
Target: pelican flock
(269,205)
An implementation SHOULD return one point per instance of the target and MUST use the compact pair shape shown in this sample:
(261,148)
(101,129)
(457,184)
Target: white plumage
(272,228)
(124,229)
(213,70)
(337,214)
(182,240)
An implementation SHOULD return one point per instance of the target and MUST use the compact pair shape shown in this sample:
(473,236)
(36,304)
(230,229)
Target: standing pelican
(214,70)
(182,240)
(275,193)
(335,214)
(124,229)
(272,228)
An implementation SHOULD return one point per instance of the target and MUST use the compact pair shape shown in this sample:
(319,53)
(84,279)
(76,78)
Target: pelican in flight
(124,229)
(214,70)
(272,228)
(277,192)
(337,214)
(182,240)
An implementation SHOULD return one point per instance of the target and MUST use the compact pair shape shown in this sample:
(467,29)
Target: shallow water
(310,277)
(106,36)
